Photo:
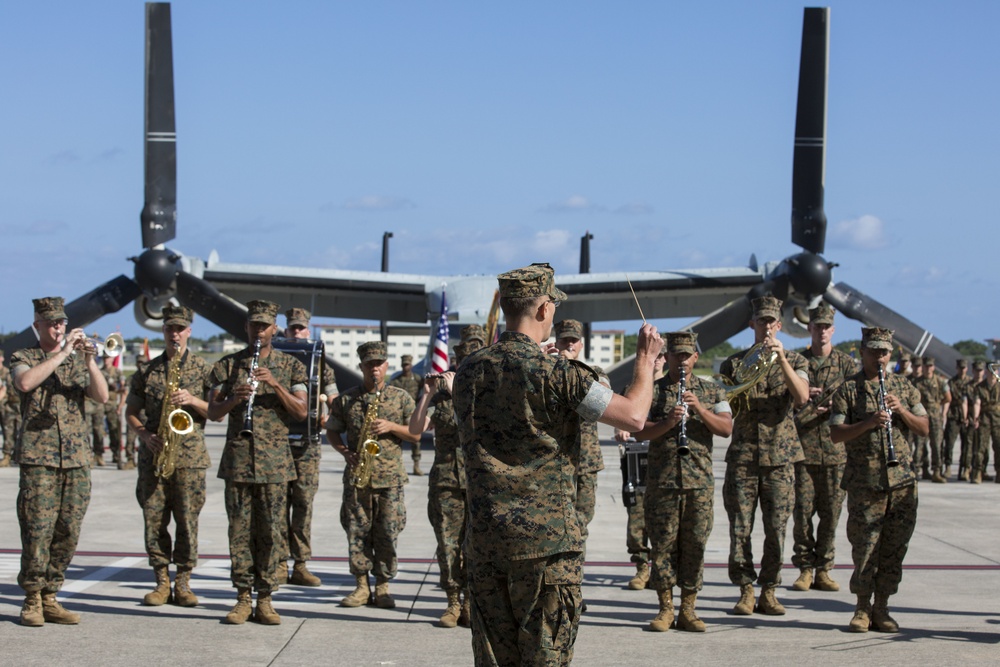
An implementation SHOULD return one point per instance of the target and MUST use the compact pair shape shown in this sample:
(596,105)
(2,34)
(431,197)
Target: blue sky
(487,136)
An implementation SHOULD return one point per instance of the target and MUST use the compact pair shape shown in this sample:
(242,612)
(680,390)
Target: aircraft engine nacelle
(795,320)
(149,311)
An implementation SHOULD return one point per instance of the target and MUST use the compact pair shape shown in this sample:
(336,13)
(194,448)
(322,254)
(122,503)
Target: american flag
(439,355)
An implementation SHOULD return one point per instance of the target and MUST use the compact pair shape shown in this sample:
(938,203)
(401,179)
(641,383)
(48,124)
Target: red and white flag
(439,355)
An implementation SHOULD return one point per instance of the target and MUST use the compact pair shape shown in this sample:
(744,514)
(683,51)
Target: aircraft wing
(596,297)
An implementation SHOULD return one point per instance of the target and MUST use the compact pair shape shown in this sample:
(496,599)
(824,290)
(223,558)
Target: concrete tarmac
(947,604)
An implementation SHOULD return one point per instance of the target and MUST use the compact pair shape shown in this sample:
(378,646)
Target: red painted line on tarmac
(427,561)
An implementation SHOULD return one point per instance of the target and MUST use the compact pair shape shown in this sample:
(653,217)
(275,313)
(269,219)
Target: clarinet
(682,437)
(890,460)
(252,381)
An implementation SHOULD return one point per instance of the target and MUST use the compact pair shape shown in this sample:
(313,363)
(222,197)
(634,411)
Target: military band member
(181,495)
(569,344)
(935,396)
(956,426)
(881,498)
(410,382)
(257,466)
(760,461)
(113,408)
(679,488)
(302,490)
(93,414)
(131,439)
(374,513)
(921,459)
(54,377)
(519,412)
(10,413)
(986,422)
(473,337)
(818,476)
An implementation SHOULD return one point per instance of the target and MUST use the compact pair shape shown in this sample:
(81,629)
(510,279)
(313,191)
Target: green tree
(971,349)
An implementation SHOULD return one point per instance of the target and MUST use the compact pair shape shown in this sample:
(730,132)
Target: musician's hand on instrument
(691,400)
(892,402)
(814,392)
(775,345)
(675,416)
(181,397)
(549,348)
(880,419)
(75,340)
(825,408)
(381,426)
(622,436)
(152,441)
(242,391)
(447,379)
(263,375)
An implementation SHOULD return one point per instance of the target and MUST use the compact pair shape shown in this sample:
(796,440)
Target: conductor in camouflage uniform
(881,497)
(373,514)
(760,460)
(257,466)
(180,494)
(935,396)
(680,486)
(519,413)
(54,455)
(446,506)
(10,413)
(302,490)
(410,382)
(569,344)
(818,476)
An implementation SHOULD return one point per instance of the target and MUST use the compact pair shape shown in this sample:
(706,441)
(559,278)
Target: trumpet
(112,346)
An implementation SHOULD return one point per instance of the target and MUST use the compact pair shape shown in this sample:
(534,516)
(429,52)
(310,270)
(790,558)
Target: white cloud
(378,203)
(864,233)
(36,228)
(919,276)
(573,204)
(634,209)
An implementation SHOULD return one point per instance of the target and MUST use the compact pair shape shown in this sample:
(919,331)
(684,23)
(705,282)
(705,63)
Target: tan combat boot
(768,604)
(53,612)
(183,595)
(963,474)
(881,620)
(243,609)
(266,615)
(417,472)
(281,572)
(665,618)
(361,594)
(745,606)
(938,479)
(805,580)
(862,615)
(465,617)
(641,578)
(688,620)
(160,594)
(301,576)
(977,477)
(450,617)
(383,599)
(824,582)
(31,612)
(99,460)
(5,461)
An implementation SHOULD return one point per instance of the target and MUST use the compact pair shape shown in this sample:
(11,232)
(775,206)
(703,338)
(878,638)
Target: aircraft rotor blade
(159,212)
(808,216)
(859,306)
(110,297)
(203,298)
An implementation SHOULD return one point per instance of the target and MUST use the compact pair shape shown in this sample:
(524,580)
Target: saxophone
(369,449)
(175,422)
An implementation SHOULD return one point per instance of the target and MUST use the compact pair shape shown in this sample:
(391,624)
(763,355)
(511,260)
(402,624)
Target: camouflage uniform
(182,495)
(257,468)
(446,506)
(679,489)
(759,468)
(10,413)
(302,490)
(519,413)
(989,426)
(591,463)
(93,414)
(933,393)
(956,425)
(881,501)
(131,437)
(54,454)
(411,383)
(818,476)
(374,516)
(113,409)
